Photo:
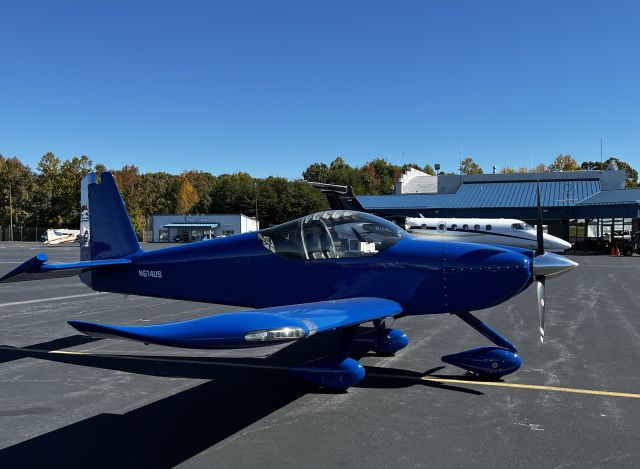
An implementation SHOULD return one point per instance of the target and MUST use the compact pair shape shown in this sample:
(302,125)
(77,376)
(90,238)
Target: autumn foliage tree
(187,196)
(468,166)
(564,163)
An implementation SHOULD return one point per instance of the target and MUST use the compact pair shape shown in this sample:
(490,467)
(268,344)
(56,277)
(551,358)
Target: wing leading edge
(257,328)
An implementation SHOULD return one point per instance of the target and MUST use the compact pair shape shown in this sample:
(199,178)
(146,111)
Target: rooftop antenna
(601,154)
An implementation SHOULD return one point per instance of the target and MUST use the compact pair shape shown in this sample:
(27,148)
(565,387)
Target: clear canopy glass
(331,234)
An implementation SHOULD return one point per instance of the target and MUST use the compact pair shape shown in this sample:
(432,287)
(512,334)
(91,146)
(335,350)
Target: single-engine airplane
(60,236)
(326,271)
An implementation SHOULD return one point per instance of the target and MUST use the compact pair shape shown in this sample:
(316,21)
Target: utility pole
(255,192)
(10,215)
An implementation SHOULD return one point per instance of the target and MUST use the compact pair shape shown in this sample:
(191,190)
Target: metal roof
(492,195)
(614,197)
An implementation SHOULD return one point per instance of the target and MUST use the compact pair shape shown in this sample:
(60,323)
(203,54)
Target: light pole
(255,193)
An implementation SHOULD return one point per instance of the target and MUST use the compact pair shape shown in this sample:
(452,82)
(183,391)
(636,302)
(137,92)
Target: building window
(454,227)
(465,227)
(227,232)
(476,227)
(442,226)
(488,227)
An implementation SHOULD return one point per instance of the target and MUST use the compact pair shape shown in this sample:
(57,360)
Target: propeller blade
(540,281)
(540,233)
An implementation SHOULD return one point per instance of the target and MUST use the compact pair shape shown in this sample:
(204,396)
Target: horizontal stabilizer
(36,268)
(258,328)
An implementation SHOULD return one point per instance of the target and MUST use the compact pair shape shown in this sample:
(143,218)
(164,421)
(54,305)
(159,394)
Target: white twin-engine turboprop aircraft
(500,231)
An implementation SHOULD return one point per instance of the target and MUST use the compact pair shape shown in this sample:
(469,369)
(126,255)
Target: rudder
(105,228)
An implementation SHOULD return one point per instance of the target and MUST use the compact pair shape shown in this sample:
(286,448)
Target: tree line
(49,195)
(560,163)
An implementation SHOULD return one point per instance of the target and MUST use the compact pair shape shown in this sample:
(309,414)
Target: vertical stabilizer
(105,229)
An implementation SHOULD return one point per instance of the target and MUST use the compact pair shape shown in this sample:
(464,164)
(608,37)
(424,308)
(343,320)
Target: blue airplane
(327,271)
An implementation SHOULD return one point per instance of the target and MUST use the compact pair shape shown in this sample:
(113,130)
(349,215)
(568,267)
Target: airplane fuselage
(496,231)
(425,277)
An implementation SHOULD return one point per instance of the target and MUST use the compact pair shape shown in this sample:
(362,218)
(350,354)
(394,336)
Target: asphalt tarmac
(70,401)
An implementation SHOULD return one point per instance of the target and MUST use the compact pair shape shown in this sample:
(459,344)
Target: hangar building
(187,228)
(590,209)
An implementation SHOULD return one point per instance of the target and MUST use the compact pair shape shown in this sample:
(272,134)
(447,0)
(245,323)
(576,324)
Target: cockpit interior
(331,234)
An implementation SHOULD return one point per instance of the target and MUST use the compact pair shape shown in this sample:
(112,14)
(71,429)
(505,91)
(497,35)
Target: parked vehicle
(630,245)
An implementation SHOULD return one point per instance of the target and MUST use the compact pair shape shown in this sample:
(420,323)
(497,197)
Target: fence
(21,233)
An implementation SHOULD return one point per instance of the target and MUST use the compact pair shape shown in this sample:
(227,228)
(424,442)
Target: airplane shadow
(164,433)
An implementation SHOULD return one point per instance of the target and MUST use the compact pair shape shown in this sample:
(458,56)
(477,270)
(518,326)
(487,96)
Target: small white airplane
(60,236)
(498,231)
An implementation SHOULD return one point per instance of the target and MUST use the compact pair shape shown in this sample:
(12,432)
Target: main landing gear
(339,371)
(491,362)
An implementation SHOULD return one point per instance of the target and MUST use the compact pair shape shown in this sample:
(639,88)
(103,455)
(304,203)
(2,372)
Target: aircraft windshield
(522,226)
(331,234)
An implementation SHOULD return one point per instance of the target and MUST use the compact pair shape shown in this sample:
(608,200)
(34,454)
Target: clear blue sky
(269,87)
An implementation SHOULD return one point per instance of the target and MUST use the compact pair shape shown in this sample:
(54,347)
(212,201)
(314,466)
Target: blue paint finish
(228,330)
(486,361)
(36,267)
(491,334)
(238,270)
(26,267)
(112,234)
(331,372)
(389,343)
(211,332)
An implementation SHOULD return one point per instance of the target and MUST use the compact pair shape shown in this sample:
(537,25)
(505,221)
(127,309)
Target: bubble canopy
(331,234)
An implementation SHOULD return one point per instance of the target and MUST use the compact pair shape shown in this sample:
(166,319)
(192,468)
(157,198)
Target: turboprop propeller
(546,264)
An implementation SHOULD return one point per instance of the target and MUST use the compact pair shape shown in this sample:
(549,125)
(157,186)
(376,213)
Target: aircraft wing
(36,268)
(256,328)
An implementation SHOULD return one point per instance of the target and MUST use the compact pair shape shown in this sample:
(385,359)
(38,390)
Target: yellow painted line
(533,386)
(177,360)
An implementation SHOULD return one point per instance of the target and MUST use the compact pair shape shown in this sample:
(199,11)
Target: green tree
(379,176)
(47,191)
(631,175)
(429,170)
(67,191)
(564,163)
(233,193)
(468,166)
(540,168)
(317,172)
(129,181)
(17,179)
